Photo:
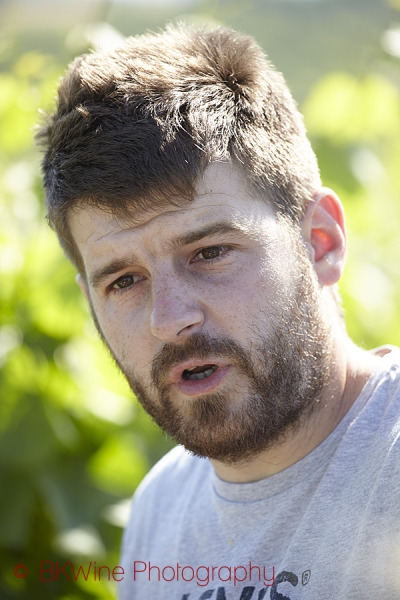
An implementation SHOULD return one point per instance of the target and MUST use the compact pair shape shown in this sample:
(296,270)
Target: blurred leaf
(118,464)
(72,499)
(346,109)
(29,439)
(16,508)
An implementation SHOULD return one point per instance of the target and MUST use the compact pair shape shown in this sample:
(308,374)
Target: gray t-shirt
(326,528)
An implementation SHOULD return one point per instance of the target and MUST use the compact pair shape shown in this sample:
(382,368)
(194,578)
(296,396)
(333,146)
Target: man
(181,183)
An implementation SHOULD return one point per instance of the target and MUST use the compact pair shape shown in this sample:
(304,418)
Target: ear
(324,232)
(81,281)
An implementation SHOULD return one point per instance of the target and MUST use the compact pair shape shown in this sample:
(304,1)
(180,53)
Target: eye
(124,282)
(211,253)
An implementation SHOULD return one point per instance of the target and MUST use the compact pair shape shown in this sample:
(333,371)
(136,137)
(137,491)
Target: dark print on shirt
(277,591)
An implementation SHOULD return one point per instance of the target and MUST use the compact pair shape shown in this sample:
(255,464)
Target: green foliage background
(73,443)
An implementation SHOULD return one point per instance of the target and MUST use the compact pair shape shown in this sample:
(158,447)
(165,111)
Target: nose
(176,312)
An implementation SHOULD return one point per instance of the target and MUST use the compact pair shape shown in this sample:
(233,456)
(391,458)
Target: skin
(161,280)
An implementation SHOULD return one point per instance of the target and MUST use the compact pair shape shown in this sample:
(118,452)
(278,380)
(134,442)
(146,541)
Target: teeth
(188,373)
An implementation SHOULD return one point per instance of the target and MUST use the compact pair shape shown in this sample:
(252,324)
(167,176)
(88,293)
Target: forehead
(221,196)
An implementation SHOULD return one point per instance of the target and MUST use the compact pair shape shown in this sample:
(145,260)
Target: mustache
(199,347)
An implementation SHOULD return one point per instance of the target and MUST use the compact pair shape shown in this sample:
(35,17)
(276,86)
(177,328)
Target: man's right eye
(123,282)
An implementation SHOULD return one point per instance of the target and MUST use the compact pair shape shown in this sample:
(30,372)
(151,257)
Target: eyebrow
(116,265)
(102,273)
(196,235)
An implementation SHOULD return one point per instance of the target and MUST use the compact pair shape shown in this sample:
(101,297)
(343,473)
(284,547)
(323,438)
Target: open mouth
(199,372)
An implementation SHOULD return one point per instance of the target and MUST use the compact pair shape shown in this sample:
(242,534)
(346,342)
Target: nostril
(187,329)
(174,317)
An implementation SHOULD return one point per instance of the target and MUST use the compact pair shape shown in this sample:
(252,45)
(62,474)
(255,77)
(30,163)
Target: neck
(351,368)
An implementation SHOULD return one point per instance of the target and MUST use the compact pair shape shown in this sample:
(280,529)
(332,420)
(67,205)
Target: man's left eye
(211,253)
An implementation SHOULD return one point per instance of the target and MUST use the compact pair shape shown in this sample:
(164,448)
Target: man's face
(212,311)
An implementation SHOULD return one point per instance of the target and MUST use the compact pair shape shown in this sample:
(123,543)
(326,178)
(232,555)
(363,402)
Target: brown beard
(285,376)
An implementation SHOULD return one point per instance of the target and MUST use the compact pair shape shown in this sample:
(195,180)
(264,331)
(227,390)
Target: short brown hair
(137,126)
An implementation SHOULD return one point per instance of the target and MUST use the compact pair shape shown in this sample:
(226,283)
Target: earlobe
(324,232)
(82,284)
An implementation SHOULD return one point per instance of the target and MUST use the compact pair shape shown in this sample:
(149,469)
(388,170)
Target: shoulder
(379,401)
(373,426)
(386,380)
(177,468)
(168,485)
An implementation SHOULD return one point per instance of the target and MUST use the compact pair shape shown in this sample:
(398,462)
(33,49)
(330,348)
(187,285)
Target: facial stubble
(285,373)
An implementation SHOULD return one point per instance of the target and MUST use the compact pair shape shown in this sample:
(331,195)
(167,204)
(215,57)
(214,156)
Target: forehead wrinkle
(221,227)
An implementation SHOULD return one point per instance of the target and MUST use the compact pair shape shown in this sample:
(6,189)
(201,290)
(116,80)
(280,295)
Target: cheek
(123,333)
(246,302)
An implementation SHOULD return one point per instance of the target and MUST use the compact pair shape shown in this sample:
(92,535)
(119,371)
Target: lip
(199,387)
